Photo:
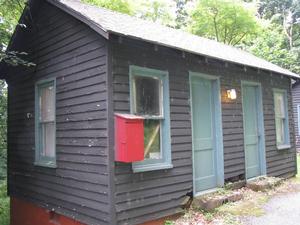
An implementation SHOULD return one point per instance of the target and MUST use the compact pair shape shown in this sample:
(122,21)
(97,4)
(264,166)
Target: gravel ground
(282,209)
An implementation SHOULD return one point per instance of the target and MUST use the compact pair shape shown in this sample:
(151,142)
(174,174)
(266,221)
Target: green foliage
(4,204)
(224,20)
(156,11)
(181,14)
(3,130)
(271,45)
(169,222)
(10,11)
(122,6)
(285,13)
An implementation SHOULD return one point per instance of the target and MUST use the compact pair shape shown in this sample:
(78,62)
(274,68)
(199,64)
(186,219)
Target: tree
(122,6)
(271,45)
(286,13)
(10,12)
(181,14)
(156,11)
(224,20)
(3,129)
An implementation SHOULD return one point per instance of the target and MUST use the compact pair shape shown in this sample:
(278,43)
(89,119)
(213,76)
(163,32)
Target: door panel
(251,130)
(204,147)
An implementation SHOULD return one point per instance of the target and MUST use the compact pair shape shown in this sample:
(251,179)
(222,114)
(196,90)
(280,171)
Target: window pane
(279,104)
(46,101)
(147,96)
(152,139)
(279,131)
(48,140)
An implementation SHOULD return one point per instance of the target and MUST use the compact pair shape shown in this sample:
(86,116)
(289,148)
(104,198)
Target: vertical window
(298,119)
(45,128)
(149,95)
(281,119)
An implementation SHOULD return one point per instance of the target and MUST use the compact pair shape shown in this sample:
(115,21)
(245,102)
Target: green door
(204,143)
(251,130)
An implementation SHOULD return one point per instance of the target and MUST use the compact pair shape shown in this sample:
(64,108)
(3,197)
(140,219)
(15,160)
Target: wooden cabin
(189,114)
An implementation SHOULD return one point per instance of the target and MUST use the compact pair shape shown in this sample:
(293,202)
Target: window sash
(160,143)
(151,117)
(281,117)
(165,143)
(280,133)
(41,158)
(160,98)
(298,118)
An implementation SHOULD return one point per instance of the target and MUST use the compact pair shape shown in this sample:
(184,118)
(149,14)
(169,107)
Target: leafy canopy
(122,6)
(226,21)
(160,11)
(10,12)
(271,45)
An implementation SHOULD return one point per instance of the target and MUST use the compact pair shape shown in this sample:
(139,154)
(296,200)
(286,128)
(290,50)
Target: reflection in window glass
(46,104)
(152,139)
(48,140)
(147,96)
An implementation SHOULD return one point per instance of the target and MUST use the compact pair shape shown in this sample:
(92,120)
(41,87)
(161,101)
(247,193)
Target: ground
(276,206)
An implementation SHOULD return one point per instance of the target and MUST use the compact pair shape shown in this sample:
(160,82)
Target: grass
(4,204)
(297,178)
(248,207)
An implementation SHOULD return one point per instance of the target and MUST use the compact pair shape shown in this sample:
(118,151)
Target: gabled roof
(105,21)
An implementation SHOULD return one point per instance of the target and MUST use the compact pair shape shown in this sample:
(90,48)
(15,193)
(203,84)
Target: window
(149,96)
(45,128)
(298,119)
(281,119)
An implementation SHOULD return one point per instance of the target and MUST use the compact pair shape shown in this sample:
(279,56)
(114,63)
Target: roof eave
(290,74)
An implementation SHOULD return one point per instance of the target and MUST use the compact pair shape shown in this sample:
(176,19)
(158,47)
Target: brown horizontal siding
(296,102)
(142,196)
(76,56)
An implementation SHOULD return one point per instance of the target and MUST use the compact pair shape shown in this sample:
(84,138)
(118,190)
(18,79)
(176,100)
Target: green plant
(169,222)
(4,205)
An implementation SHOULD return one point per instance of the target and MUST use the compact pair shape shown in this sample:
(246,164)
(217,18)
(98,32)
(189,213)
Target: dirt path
(283,208)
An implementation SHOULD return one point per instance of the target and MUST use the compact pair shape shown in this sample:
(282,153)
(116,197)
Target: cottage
(210,114)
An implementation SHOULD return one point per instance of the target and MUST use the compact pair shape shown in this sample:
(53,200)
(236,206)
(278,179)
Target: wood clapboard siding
(296,102)
(144,196)
(77,56)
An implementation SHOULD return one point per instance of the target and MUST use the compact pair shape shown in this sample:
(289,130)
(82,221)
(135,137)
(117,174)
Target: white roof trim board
(113,22)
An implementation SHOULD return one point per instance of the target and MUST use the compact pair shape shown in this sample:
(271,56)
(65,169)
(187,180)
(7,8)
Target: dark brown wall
(145,196)
(296,102)
(64,48)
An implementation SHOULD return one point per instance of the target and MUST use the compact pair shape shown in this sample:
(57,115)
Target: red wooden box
(129,138)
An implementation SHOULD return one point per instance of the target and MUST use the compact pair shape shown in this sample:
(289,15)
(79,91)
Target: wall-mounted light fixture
(231,94)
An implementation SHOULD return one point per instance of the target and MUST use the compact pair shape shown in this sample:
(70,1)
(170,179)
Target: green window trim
(165,162)
(40,160)
(286,143)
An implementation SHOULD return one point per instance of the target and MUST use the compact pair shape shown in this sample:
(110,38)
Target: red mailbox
(129,138)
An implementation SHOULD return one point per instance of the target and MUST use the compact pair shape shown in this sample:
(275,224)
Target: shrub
(4,204)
